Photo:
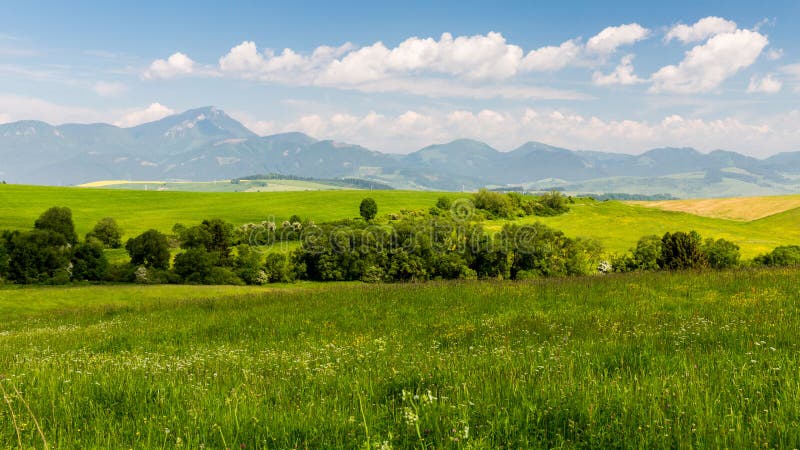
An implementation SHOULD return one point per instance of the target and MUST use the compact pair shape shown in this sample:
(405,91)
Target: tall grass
(655,360)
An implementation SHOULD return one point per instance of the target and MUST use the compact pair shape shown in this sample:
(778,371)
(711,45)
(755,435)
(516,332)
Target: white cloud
(706,66)
(552,58)
(611,38)
(507,130)
(176,65)
(153,112)
(767,84)
(701,30)
(109,89)
(623,74)
(775,54)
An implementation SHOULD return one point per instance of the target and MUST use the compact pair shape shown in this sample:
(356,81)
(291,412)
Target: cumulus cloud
(611,38)
(705,67)
(767,85)
(177,64)
(153,112)
(701,30)
(477,66)
(623,74)
(552,58)
(109,89)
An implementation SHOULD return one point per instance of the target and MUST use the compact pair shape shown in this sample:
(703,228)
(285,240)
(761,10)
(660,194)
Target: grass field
(618,225)
(743,208)
(216,186)
(640,361)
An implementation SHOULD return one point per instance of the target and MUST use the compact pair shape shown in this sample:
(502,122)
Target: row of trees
(407,247)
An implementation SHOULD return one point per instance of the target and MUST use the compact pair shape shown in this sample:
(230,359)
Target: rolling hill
(206,144)
(616,224)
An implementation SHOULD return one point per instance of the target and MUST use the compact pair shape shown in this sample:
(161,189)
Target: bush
(215,236)
(680,251)
(38,256)
(149,249)
(551,204)
(222,275)
(721,254)
(444,203)
(58,220)
(108,232)
(89,262)
(498,204)
(368,209)
(278,268)
(194,265)
(787,255)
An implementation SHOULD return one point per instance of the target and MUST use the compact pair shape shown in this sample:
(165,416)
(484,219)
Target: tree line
(445,242)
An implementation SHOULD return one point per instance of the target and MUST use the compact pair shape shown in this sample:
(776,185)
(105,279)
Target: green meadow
(618,225)
(658,360)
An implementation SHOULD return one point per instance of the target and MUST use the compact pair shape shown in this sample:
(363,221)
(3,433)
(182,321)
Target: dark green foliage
(496,203)
(222,275)
(150,249)
(295,219)
(787,255)
(721,254)
(551,204)
(278,268)
(38,256)
(108,232)
(368,209)
(644,257)
(444,203)
(194,265)
(89,263)
(248,266)
(215,236)
(3,258)
(58,220)
(681,251)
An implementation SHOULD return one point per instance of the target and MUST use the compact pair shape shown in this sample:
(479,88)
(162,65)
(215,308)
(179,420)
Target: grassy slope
(640,361)
(219,186)
(137,211)
(618,225)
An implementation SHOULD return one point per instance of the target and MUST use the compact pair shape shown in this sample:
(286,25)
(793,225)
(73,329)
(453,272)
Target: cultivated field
(743,208)
(645,361)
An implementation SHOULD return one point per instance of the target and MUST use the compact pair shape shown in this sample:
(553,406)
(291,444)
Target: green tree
(150,249)
(786,255)
(278,268)
(499,204)
(444,203)
(368,209)
(721,254)
(58,220)
(89,262)
(108,232)
(194,265)
(38,256)
(214,235)
(680,251)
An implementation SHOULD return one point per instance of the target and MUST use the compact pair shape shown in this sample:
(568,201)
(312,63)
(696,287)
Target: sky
(622,76)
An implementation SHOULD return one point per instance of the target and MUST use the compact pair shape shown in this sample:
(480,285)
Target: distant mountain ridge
(206,144)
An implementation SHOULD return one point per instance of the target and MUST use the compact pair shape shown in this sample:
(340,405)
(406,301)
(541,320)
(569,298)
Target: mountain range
(206,144)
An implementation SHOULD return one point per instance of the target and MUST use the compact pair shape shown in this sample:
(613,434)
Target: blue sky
(395,76)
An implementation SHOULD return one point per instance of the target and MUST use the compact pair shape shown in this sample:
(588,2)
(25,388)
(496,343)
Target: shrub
(89,262)
(721,254)
(194,265)
(58,220)
(222,275)
(278,268)
(444,203)
(787,255)
(368,209)
(38,256)
(498,204)
(108,232)
(680,251)
(149,249)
